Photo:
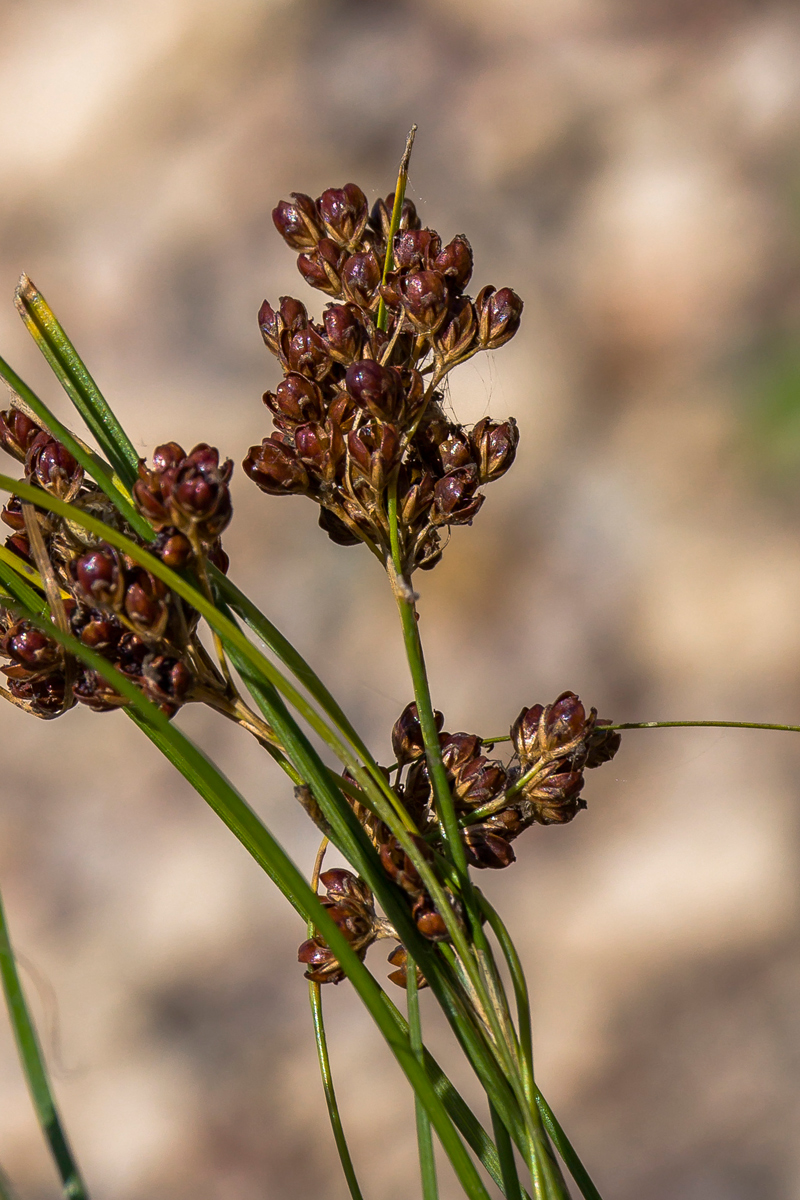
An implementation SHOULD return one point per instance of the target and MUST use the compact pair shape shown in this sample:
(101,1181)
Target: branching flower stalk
(112,564)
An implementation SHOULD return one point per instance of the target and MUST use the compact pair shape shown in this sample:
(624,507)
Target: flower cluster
(351,905)
(495,802)
(101,596)
(359,413)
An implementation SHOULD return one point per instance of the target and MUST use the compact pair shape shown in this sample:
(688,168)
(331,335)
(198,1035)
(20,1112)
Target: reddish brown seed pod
(298,221)
(276,469)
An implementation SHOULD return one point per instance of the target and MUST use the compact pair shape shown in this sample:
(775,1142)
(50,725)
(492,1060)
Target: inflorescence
(361,428)
(359,412)
(99,595)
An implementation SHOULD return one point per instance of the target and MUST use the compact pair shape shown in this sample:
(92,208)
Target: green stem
(445,809)
(382,319)
(703,725)
(427,1161)
(35,1071)
(330,1094)
(505,1151)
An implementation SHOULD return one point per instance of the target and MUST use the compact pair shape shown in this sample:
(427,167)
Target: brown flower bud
(456,335)
(321,449)
(498,316)
(375,452)
(455,262)
(429,922)
(298,223)
(361,279)
(305,351)
(167,680)
(458,749)
(97,630)
(344,212)
(28,646)
(486,849)
(199,497)
(455,451)
(344,332)
(376,388)
(424,299)
(44,696)
(416,249)
(407,742)
(100,576)
(495,447)
(92,690)
(322,268)
(276,469)
(336,529)
(602,745)
(173,548)
(323,966)
(480,781)
(52,466)
(455,501)
(145,604)
(12,514)
(399,959)
(398,866)
(296,401)
(416,500)
(17,432)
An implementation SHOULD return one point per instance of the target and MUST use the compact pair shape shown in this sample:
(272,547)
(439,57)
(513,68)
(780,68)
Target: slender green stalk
(73,376)
(321,1040)
(487,983)
(427,1160)
(330,1093)
(508,1165)
(445,808)
(35,1071)
(704,725)
(382,319)
(227,802)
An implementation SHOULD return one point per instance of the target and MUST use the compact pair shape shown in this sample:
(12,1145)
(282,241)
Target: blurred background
(632,169)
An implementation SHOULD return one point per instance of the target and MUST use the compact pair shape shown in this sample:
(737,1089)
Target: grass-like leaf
(240,818)
(330,1092)
(427,1160)
(73,376)
(35,1071)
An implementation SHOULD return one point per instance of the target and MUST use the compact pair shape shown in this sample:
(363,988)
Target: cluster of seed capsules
(101,596)
(553,745)
(360,407)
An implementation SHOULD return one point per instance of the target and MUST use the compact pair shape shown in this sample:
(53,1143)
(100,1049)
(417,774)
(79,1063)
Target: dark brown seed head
(495,447)
(423,296)
(455,262)
(276,469)
(407,742)
(361,279)
(376,388)
(499,316)
(52,466)
(298,221)
(344,213)
(100,576)
(17,432)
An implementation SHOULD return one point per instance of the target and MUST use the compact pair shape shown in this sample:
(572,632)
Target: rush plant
(113,565)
